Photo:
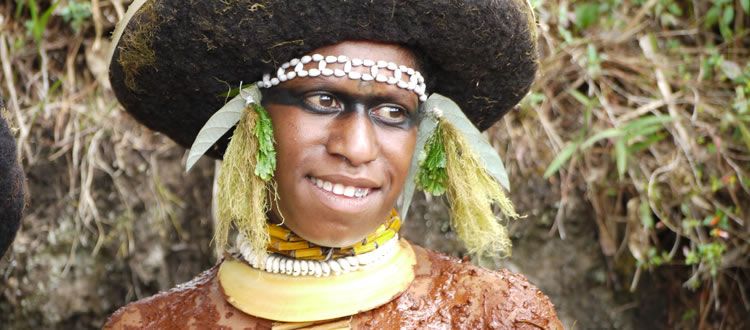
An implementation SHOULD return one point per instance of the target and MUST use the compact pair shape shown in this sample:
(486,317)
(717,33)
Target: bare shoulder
(195,304)
(466,296)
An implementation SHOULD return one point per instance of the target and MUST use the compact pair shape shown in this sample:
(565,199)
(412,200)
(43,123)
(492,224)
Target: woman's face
(344,147)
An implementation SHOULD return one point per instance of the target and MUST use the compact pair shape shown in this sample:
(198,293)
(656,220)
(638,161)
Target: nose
(353,138)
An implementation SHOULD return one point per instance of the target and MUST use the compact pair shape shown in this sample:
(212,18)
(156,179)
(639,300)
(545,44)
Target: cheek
(400,150)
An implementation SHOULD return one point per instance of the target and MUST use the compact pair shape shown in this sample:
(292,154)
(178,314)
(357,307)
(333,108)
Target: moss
(135,47)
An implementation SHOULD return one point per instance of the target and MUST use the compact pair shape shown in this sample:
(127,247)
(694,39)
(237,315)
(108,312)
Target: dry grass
(111,218)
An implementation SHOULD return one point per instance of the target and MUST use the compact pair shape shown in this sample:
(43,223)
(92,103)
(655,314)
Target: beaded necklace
(293,255)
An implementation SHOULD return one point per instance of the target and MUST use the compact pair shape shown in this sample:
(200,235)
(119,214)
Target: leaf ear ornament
(457,160)
(226,118)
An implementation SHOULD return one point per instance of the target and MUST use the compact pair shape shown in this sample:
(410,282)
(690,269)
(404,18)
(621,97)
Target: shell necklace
(293,255)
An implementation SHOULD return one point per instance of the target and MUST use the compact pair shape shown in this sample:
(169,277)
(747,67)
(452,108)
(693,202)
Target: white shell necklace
(281,264)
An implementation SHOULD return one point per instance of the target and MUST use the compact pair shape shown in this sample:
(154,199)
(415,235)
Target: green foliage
(38,22)
(432,176)
(587,14)
(722,13)
(77,14)
(266,158)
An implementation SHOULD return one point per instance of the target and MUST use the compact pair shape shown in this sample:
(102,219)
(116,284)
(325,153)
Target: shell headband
(380,71)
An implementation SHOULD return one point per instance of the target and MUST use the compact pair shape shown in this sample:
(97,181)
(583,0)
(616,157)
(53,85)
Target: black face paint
(347,103)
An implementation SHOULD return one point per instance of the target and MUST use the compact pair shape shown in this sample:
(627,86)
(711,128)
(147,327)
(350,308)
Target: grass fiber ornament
(460,162)
(246,176)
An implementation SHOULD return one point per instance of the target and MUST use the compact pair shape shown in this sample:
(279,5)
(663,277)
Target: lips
(341,189)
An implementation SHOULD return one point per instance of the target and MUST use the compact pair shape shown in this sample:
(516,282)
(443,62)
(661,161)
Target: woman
(323,147)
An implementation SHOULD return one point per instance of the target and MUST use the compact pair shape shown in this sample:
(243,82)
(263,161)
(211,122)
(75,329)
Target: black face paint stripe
(351,104)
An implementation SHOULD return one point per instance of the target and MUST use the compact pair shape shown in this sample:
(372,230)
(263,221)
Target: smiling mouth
(340,189)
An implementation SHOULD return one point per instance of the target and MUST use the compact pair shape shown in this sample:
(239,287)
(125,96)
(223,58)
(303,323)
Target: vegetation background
(631,158)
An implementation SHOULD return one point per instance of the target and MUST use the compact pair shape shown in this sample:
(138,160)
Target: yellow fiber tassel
(243,196)
(471,193)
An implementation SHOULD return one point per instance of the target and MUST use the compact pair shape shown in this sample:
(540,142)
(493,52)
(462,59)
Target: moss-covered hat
(174,60)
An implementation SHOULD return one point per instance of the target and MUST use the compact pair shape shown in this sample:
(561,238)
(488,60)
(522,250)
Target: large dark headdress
(175,59)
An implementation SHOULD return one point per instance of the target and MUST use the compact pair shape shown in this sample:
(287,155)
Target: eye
(391,114)
(324,101)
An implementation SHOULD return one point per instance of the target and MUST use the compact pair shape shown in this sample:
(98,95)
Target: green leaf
(219,123)
(712,17)
(646,121)
(432,176)
(561,159)
(621,154)
(586,14)
(582,98)
(638,147)
(266,158)
(426,127)
(646,130)
(745,6)
(605,134)
(728,15)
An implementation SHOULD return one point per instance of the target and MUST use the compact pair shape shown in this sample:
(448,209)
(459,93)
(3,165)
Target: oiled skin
(446,294)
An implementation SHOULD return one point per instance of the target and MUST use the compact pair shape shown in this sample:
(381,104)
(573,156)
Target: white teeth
(338,189)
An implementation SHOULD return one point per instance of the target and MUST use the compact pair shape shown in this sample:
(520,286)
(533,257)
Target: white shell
(302,73)
(403,84)
(282,265)
(299,67)
(314,72)
(374,71)
(355,75)
(403,68)
(326,71)
(331,59)
(317,57)
(335,267)
(276,262)
(412,85)
(344,265)
(289,266)
(285,65)
(368,62)
(356,61)
(326,268)
(382,64)
(322,65)
(291,75)
(392,81)
(397,74)
(367,77)
(347,67)
(423,98)
(269,264)
(381,78)
(306,59)
(267,79)
(275,81)
(296,268)
(303,267)
(353,262)
(294,62)
(339,73)
(343,59)
(392,66)
(318,270)
(410,71)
